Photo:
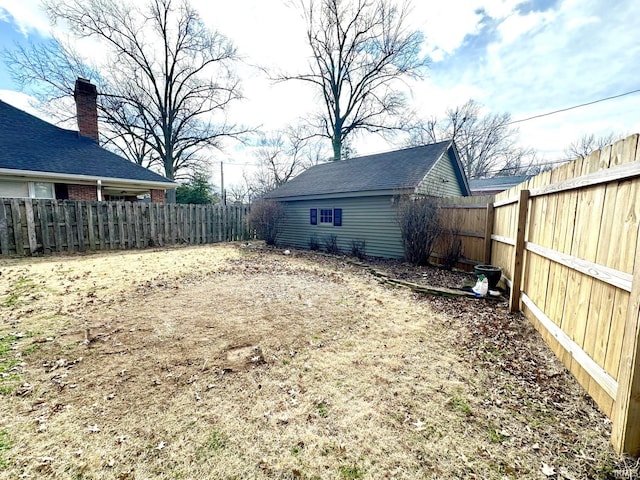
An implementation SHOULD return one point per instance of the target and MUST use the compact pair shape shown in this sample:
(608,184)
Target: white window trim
(320,222)
(32,191)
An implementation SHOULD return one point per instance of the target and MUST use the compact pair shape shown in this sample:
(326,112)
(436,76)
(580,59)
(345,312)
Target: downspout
(99,190)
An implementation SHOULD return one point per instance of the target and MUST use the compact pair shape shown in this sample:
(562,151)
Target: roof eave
(106,181)
(463,174)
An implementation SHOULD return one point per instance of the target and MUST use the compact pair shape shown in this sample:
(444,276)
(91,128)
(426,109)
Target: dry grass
(223,362)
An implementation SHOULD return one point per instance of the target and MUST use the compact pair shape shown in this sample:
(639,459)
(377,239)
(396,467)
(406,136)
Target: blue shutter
(313,216)
(337,217)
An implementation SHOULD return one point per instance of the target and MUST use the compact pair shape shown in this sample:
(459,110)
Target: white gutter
(86,178)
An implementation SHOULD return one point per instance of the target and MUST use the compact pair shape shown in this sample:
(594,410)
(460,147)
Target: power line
(574,107)
(533,165)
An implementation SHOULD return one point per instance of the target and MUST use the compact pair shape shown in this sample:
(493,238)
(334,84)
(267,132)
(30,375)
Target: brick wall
(157,196)
(86,95)
(83,192)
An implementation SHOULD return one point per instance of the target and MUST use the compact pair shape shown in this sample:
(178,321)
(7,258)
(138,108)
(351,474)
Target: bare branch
(487,144)
(361,50)
(164,88)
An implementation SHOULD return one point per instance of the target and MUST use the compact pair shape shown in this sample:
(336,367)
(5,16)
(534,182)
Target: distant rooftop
(496,184)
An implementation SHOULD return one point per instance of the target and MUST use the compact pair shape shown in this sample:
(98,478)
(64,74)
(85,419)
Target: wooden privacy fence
(29,227)
(568,244)
(468,220)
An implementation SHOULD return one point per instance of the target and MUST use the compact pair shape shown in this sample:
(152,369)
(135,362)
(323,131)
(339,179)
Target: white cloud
(446,25)
(27,15)
(578,22)
(22,101)
(515,26)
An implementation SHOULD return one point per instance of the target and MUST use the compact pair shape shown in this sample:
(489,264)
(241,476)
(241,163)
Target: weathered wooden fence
(567,241)
(29,227)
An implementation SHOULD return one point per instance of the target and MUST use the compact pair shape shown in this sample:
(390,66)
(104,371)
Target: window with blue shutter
(313,216)
(337,217)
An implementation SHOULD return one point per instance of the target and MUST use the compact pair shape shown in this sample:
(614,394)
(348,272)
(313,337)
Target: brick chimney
(86,95)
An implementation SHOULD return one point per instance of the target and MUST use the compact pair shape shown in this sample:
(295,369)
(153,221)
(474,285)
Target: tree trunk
(169,173)
(336,141)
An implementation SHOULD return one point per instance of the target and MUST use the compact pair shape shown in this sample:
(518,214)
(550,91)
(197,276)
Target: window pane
(326,215)
(313,216)
(43,190)
(9,189)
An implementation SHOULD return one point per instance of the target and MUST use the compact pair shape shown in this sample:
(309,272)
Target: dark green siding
(372,219)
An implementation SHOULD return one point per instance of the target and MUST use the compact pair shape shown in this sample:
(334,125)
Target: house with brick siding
(41,160)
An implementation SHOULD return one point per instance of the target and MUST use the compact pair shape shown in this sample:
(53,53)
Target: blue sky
(517,56)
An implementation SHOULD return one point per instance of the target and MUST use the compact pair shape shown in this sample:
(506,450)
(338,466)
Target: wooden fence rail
(569,246)
(30,227)
(469,219)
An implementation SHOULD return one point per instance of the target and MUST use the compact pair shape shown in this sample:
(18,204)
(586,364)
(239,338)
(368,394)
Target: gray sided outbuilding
(354,202)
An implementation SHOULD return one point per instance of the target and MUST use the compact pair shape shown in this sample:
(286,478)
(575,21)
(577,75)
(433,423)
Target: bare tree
(281,156)
(588,143)
(164,87)
(238,193)
(361,51)
(487,143)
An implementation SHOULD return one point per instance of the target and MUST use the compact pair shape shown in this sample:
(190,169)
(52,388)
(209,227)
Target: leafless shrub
(331,244)
(358,248)
(314,244)
(419,226)
(266,218)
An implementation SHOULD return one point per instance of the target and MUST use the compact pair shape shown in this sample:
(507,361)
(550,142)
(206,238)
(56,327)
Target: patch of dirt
(229,361)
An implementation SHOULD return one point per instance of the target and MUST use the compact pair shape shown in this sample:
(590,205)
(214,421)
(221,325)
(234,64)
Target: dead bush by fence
(419,226)
(266,218)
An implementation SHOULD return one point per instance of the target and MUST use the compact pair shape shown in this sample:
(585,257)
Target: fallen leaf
(161,445)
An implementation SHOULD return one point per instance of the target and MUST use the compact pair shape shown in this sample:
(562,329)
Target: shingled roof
(391,171)
(29,144)
(497,184)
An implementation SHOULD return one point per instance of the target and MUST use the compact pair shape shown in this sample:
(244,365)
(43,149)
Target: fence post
(488,230)
(518,254)
(625,434)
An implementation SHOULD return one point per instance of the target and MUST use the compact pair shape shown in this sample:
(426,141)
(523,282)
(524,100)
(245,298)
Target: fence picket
(4,230)
(55,218)
(44,226)
(102,241)
(91,223)
(111,226)
(31,226)
(16,217)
